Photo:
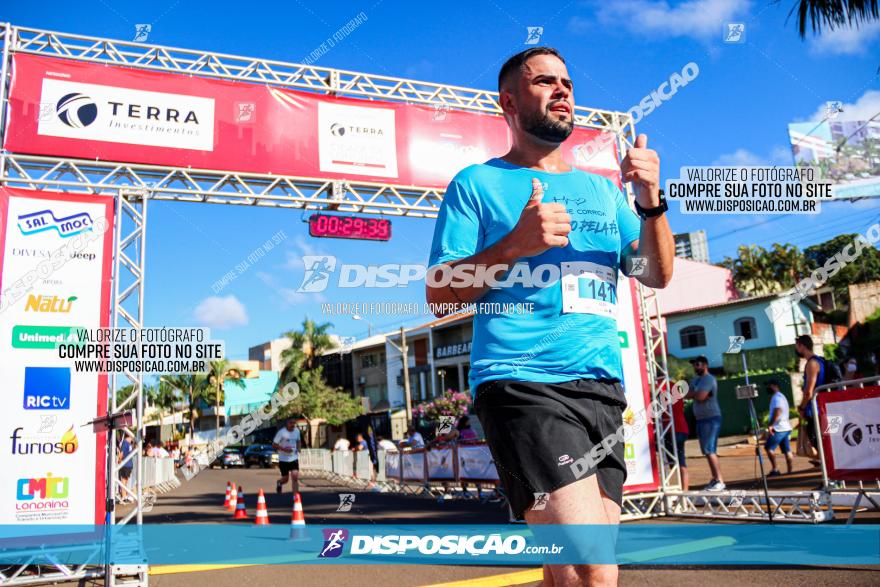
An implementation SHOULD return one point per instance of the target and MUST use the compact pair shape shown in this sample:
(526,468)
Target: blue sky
(734,112)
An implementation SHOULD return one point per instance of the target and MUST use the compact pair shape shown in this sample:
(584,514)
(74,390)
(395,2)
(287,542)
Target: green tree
(221,373)
(753,270)
(787,265)
(306,346)
(193,386)
(318,400)
(833,14)
(865,268)
(162,396)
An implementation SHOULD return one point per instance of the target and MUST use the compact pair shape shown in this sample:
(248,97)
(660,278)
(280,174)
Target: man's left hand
(642,167)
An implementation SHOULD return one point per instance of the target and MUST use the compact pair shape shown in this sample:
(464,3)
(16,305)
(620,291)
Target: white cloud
(864,108)
(845,40)
(700,19)
(744,157)
(294,259)
(578,25)
(289,294)
(221,312)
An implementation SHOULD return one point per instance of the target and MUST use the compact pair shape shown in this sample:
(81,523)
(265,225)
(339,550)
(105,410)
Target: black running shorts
(287,467)
(536,430)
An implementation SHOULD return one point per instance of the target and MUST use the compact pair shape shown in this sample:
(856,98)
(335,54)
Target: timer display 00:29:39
(353,227)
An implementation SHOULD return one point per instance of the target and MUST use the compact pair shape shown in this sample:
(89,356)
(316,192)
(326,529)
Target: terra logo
(44,220)
(852,434)
(47,388)
(76,110)
(334,542)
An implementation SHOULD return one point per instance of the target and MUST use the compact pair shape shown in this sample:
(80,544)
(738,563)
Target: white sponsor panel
(356,139)
(392,465)
(441,464)
(48,458)
(856,443)
(637,449)
(93,112)
(475,463)
(413,466)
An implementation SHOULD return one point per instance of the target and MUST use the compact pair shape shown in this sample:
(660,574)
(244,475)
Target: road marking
(171,569)
(517,578)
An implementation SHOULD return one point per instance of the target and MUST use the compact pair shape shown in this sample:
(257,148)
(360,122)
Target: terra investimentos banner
(55,256)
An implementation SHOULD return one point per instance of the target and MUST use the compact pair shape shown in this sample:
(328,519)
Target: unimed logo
(42,337)
(43,220)
(47,388)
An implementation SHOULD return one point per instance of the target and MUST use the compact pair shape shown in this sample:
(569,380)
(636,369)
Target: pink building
(694,285)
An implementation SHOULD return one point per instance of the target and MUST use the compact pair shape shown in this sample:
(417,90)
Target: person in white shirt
(342,444)
(287,442)
(387,445)
(413,439)
(779,428)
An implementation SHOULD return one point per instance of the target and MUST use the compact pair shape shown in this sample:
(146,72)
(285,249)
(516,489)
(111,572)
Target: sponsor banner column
(55,256)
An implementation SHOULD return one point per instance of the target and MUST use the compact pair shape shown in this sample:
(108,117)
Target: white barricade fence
(343,463)
(475,463)
(470,463)
(159,474)
(363,465)
(414,466)
(441,464)
(392,465)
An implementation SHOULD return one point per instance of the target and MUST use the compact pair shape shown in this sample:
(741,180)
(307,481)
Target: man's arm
(642,167)
(698,395)
(812,374)
(777,414)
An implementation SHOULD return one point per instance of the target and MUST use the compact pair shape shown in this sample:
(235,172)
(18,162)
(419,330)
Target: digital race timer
(374,229)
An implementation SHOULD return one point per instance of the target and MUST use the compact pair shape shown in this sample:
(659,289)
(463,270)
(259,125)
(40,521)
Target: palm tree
(193,386)
(834,14)
(163,396)
(306,346)
(220,374)
(788,263)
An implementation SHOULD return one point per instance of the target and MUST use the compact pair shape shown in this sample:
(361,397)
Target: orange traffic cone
(233,498)
(297,519)
(262,518)
(228,495)
(240,511)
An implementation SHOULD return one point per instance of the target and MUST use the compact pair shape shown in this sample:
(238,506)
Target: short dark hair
(805,341)
(515,63)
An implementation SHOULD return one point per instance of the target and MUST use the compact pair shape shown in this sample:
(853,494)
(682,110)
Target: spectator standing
(413,438)
(682,431)
(779,428)
(704,392)
(814,376)
(465,432)
(342,443)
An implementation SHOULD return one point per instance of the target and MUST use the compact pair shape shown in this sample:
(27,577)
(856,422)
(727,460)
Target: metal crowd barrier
(411,470)
(159,474)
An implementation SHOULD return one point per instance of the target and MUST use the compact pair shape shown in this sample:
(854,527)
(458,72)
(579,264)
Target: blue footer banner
(629,544)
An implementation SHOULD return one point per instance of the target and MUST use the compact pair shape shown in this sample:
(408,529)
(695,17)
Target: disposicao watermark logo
(334,542)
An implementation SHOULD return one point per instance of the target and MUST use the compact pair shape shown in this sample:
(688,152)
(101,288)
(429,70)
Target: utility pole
(404,353)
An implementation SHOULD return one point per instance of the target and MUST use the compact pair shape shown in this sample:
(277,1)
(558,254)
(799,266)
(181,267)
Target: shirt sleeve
(457,233)
(627,221)
(277,439)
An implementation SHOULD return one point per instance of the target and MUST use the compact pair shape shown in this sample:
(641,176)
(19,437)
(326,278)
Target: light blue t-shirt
(482,205)
(778,400)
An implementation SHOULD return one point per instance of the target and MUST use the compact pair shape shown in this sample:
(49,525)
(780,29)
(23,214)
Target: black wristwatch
(651,212)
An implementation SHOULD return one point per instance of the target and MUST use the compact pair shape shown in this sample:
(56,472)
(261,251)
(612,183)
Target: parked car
(262,455)
(230,457)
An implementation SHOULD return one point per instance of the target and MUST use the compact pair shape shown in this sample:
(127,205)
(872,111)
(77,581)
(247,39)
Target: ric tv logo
(47,388)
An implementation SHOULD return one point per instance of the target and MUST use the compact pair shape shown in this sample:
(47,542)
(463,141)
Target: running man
(548,384)
(287,442)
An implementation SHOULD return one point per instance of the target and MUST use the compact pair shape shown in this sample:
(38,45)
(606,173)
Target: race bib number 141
(589,288)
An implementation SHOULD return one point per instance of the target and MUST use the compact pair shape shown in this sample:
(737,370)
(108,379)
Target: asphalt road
(201,499)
